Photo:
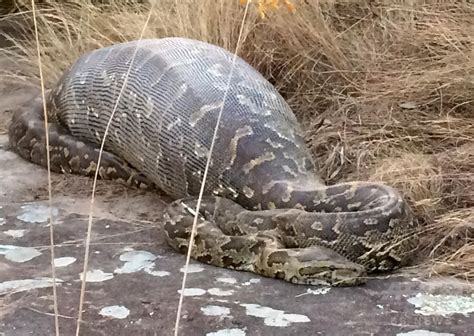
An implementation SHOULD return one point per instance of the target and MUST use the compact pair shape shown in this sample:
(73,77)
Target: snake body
(264,210)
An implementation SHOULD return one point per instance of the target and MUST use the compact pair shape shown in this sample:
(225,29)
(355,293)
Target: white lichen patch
(36,213)
(134,255)
(273,317)
(422,332)
(118,312)
(136,261)
(97,276)
(192,268)
(227,332)
(317,291)
(19,254)
(220,292)
(251,282)
(15,233)
(442,305)
(64,261)
(149,270)
(193,292)
(212,310)
(226,280)
(16,286)
(2,219)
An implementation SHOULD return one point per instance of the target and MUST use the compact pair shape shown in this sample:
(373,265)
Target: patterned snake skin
(265,210)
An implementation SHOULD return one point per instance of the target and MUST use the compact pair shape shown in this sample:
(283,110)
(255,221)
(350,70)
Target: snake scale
(265,210)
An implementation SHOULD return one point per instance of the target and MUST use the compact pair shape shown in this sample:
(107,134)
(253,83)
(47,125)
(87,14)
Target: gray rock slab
(134,281)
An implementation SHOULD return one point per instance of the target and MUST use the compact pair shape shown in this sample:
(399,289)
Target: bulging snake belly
(265,210)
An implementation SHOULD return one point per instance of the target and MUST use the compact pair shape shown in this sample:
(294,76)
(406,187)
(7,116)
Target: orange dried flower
(264,6)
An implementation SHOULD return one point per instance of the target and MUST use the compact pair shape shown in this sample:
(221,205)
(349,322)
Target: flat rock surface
(134,277)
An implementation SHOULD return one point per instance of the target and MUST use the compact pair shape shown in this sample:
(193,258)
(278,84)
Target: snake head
(314,265)
(329,273)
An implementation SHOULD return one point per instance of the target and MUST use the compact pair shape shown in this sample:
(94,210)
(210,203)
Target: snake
(264,208)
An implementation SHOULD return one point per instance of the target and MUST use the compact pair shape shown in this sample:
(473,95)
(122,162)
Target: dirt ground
(135,277)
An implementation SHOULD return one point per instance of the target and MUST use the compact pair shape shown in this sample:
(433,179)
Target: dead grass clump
(439,188)
(453,249)
(385,90)
(421,181)
(434,183)
(70,29)
(458,165)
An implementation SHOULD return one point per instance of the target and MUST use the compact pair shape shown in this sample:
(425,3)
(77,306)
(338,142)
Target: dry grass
(385,91)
